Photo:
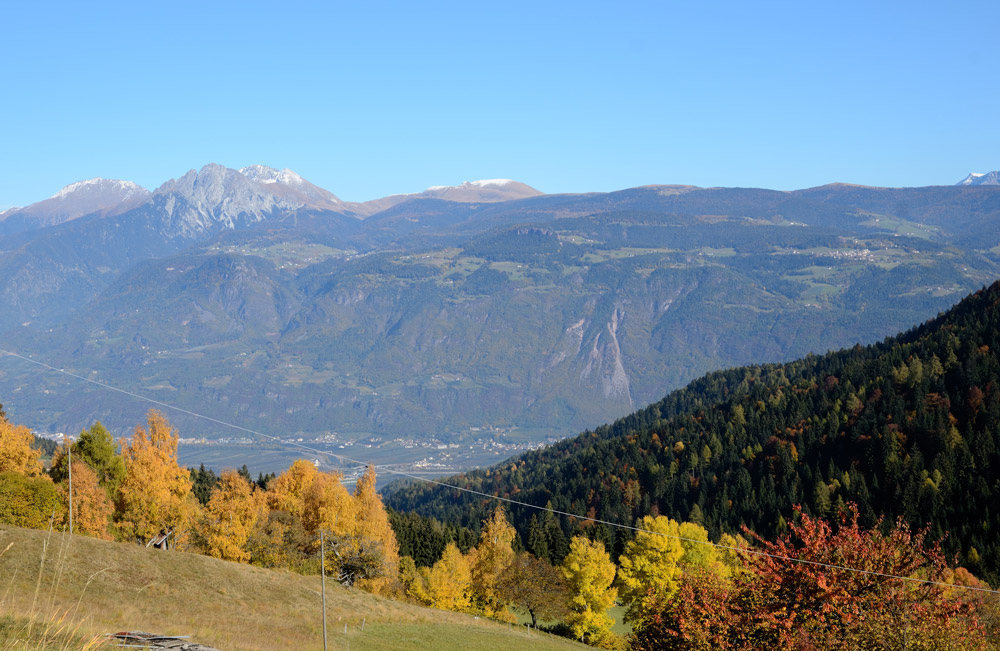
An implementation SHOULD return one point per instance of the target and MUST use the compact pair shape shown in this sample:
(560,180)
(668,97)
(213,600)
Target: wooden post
(70,465)
(322,571)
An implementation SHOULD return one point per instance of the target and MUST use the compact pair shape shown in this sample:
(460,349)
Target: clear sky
(369,99)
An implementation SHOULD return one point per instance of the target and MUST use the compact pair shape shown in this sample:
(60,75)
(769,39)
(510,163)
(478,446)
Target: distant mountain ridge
(989,178)
(439,317)
(105,196)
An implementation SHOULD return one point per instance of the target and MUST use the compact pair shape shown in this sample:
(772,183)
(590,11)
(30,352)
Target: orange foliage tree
(795,595)
(92,510)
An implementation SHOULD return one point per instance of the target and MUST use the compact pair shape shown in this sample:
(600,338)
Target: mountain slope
(107,197)
(907,428)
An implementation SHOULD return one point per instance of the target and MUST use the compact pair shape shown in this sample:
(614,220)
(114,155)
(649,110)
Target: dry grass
(73,590)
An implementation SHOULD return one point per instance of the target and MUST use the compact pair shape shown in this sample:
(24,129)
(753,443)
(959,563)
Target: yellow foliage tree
(229,517)
(589,573)
(92,510)
(372,524)
(650,564)
(494,554)
(16,453)
(327,505)
(448,582)
(287,491)
(155,493)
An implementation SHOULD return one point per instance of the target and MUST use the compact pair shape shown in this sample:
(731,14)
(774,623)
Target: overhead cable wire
(617,525)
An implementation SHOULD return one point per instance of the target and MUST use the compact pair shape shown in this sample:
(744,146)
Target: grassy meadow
(62,592)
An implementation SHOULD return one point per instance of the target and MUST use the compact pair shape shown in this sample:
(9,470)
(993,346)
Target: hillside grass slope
(63,592)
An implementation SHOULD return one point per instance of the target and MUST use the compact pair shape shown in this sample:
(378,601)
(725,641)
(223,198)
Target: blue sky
(387,98)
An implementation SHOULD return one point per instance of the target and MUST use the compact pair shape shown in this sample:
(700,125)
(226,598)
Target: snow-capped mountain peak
(267,175)
(124,189)
(106,197)
(291,186)
(485,190)
(975,178)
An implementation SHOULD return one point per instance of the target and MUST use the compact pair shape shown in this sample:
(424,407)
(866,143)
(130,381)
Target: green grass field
(62,592)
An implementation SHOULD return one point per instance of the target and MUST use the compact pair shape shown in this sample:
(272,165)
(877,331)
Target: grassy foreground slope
(101,587)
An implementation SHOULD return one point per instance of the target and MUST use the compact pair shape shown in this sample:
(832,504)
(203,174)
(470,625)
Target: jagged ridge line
(618,525)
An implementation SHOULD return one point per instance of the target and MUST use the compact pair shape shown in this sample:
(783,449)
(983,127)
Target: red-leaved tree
(797,593)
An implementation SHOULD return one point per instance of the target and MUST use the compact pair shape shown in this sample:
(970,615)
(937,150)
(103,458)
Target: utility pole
(322,573)
(70,465)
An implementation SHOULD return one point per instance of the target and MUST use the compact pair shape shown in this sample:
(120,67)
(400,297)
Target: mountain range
(482,311)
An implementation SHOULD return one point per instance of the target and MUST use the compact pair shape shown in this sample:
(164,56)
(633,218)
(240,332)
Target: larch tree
(229,517)
(448,582)
(373,525)
(328,506)
(493,555)
(92,510)
(589,573)
(16,453)
(650,564)
(155,493)
(287,492)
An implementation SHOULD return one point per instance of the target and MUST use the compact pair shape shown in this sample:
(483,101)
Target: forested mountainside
(908,428)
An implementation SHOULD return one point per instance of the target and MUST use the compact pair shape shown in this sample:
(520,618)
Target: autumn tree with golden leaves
(155,493)
(92,510)
(229,517)
(16,453)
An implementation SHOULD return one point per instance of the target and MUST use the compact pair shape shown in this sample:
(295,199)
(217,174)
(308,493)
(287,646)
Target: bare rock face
(107,197)
(216,197)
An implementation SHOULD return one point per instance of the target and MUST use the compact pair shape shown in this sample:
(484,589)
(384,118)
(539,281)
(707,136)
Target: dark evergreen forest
(908,428)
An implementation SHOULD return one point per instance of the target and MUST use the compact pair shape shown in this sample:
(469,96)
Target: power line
(618,525)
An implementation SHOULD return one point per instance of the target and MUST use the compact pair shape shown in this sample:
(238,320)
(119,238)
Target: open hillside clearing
(59,592)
